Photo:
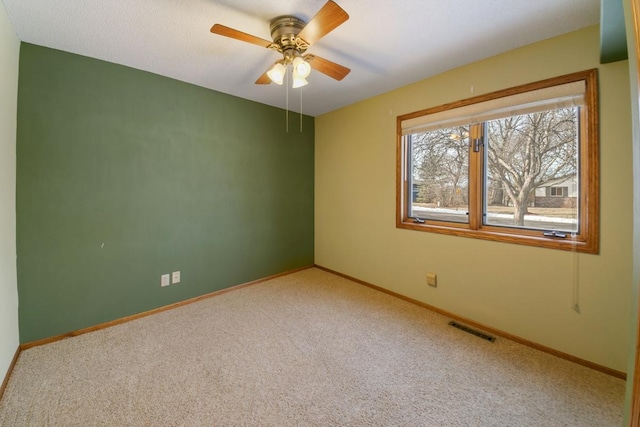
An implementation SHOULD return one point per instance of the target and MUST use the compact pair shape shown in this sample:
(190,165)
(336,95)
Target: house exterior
(561,194)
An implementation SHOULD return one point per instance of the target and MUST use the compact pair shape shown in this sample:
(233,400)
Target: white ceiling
(386,43)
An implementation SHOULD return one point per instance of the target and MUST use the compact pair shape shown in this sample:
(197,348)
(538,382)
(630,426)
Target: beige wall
(522,290)
(9,53)
(635,108)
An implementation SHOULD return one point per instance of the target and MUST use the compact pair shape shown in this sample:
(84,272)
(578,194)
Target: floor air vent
(472,331)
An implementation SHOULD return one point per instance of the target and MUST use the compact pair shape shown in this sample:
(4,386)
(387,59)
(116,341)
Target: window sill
(503,234)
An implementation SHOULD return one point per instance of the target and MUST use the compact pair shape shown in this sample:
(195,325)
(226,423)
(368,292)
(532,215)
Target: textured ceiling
(387,44)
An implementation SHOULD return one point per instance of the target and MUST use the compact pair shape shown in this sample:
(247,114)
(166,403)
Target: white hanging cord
(300,110)
(575,302)
(287,94)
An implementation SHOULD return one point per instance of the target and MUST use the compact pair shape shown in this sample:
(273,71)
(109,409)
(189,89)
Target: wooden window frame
(586,240)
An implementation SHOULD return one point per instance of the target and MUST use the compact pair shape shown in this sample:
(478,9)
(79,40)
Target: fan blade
(239,35)
(327,67)
(263,79)
(326,20)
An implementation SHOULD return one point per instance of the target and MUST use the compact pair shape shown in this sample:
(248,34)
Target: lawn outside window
(519,165)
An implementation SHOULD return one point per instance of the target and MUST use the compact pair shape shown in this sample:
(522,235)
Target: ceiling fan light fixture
(276,73)
(299,81)
(292,36)
(301,67)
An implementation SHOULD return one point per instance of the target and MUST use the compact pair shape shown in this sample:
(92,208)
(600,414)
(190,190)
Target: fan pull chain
(287,103)
(300,110)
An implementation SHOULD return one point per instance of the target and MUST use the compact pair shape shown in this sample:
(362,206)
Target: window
(518,165)
(559,191)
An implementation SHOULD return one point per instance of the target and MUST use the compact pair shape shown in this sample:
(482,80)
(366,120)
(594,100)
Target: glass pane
(531,171)
(440,175)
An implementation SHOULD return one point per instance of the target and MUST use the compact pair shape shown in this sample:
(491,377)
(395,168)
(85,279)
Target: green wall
(124,175)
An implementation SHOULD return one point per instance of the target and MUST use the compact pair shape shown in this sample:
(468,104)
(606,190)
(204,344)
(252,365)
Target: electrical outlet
(175,277)
(432,279)
(165,280)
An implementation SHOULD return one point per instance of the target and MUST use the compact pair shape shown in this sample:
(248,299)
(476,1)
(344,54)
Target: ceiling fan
(292,37)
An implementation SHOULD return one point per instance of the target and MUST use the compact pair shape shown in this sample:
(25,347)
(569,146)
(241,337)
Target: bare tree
(530,151)
(441,165)
(524,152)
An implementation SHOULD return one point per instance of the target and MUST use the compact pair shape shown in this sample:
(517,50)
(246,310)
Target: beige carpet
(308,349)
